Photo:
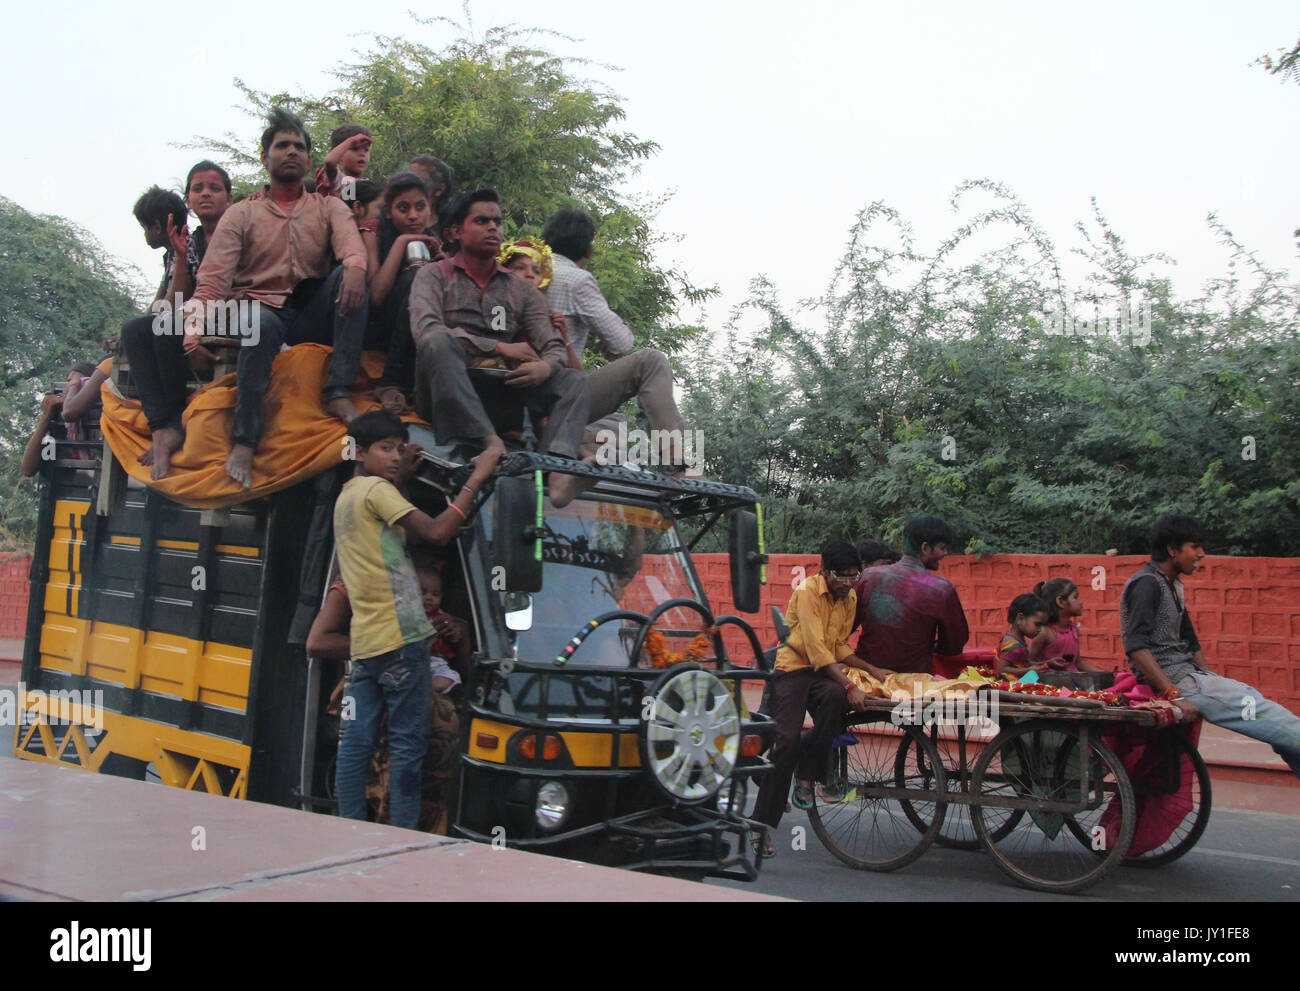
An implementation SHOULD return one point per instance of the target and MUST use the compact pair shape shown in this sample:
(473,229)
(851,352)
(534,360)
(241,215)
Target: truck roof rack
(447,469)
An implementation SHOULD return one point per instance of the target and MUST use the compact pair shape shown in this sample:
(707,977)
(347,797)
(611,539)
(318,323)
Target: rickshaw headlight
(552,805)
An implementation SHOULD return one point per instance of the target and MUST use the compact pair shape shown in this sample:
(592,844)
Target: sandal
(831,794)
(803,797)
(764,848)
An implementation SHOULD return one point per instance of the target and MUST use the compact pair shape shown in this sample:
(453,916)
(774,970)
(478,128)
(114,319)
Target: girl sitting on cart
(1057,643)
(1026,614)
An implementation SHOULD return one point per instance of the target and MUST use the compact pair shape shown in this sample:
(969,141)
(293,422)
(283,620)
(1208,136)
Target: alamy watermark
(934,709)
(1133,324)
(667,448)
(239,318)
(18,707)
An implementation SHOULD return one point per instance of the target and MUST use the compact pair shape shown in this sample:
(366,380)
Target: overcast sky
(777,121)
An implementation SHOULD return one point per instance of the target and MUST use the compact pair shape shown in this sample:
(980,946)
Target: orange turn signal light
(550,747)
(487,741)
(751,745)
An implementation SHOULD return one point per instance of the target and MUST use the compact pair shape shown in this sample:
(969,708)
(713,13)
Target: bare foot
(391,399)
(341,409)
(563,489)
(146,459)
(166,442)
(239,465)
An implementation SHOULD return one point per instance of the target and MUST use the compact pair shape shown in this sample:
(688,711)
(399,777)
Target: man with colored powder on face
(906,611)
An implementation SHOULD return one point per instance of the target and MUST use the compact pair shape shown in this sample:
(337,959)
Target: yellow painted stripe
(502,731)
(586,749)
(241,551)
(214,673)
(190,545)
(141,739)
(592,749)
(68,510)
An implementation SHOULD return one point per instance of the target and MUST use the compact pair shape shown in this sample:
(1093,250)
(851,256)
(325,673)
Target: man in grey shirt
(1164,652)
(644,374)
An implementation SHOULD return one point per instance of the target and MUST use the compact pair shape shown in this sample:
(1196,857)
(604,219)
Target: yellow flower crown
(538,251)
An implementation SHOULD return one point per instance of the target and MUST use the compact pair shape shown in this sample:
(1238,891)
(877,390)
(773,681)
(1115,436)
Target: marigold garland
(660,657)
(1038,688)
(538,251)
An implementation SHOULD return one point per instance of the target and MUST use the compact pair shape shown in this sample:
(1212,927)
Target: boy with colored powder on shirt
(906,611)
(389,633)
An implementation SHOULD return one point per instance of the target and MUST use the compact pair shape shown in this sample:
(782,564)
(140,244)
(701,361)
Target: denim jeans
(400,682)
(310,315)
(159,371)
(1224,702)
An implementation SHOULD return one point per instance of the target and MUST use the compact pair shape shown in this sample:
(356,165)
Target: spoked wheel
(957,831)
(1050,764)
(1162,808)
(868,829)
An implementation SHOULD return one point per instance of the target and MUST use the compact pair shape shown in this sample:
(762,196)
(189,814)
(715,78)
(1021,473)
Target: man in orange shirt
(809,678)
(273,258)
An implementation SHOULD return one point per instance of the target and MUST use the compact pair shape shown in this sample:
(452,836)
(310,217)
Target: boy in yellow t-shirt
(389,632)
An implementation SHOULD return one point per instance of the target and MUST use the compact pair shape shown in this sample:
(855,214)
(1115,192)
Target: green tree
(63,297)
(507,113)
(1286,63)
(935,385)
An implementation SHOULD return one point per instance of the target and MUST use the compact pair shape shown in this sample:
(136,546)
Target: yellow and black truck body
(168,640)
(160,634)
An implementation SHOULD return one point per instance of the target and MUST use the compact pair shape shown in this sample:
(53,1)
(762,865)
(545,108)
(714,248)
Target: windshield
(604,556)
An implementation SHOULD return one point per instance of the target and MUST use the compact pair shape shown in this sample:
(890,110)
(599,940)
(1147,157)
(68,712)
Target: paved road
(1242,856)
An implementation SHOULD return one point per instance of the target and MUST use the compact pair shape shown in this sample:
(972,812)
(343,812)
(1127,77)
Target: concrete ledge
(66,834)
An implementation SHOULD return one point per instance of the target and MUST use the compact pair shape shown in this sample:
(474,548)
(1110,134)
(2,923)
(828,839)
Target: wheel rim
(691,740)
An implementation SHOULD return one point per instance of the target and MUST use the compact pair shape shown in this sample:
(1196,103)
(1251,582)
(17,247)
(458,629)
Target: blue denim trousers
(398,681)
(310,315)
(1237,706)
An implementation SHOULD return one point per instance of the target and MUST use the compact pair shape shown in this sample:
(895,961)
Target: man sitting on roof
(152,342)
(467,311)
(906,611)
(643,374)
(274,255)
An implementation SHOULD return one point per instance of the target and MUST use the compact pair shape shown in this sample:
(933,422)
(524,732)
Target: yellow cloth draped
(911,685)
(300,439)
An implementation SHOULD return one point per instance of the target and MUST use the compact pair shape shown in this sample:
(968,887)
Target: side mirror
(782,627)
(516,538)
(746,561)
(519,611)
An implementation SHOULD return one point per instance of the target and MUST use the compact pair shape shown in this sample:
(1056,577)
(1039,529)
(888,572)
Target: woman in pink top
(1057,643)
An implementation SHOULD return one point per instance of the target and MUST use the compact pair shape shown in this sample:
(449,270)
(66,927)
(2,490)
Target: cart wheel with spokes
(1170,763)
(957,831)
(1049,764)
(867,829)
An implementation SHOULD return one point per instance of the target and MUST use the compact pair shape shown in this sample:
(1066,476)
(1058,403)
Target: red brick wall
(13,594)
(1246,609)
